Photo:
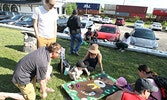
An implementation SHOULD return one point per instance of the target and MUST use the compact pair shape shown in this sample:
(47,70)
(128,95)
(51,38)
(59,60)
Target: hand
(88,73)
(44,95)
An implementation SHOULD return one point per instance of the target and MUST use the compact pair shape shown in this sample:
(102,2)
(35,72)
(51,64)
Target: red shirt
(131,96)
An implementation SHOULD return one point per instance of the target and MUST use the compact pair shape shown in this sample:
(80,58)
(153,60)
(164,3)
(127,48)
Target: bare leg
(17,96)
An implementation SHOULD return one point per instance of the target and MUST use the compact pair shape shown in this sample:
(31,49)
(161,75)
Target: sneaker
(76,53)
(122,50)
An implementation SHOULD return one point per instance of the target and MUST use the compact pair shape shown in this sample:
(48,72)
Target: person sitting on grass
(121,45)
(77,71)
(88,36)
(142,90)
(32,67)
(95,35)
(92,57)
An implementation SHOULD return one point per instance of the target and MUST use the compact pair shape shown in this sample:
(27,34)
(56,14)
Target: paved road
(162,35)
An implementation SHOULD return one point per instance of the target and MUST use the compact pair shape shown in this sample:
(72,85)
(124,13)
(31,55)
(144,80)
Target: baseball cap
(81,64)
(145,84)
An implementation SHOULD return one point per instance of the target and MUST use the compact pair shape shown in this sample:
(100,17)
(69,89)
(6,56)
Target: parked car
(109,32)
(97,18)
(120,21)
(26,22)
(7,14)
(85,25)
(14,19)
(156,26)
(61,24)
(107,20)
(166,28)
(144,37)
(139,23)
(87,17)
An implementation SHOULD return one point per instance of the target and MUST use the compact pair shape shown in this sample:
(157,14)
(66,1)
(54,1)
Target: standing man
(32,67)
(74,25)
(45,23)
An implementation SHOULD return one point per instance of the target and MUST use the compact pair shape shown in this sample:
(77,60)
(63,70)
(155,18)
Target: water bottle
(66,70)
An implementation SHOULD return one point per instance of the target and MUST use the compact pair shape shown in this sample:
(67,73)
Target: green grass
(115,63)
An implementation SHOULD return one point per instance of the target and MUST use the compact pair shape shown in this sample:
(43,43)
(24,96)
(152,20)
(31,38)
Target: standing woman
(145,72)
(92,57)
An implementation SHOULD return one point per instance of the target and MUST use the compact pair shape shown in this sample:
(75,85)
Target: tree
(74,6)
(69,9)
(102,9)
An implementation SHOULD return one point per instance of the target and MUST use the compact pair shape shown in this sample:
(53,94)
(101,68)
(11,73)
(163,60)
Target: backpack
(66,64)
(162,84)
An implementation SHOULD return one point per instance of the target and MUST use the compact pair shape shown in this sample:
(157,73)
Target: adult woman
(145,72)
(124,42)
(92,57)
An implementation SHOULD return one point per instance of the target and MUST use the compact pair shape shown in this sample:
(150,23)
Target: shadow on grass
(129,26)
(6,84)
(15,47)
(7,63)
(65,94)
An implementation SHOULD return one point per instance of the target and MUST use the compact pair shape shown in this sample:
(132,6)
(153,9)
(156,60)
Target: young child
(88,35)
(77,70)
(121,82)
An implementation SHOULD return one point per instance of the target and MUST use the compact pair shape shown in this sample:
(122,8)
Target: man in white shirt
(45,23)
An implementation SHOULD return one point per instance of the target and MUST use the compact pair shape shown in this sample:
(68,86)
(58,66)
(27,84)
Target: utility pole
(124,2)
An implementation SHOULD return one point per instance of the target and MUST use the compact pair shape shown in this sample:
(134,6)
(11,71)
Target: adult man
(143,88)
(74,25)
(32,67)
(45,23)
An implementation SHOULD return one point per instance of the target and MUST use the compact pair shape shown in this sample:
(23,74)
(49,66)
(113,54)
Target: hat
(94,49)
(145,84)
(75,11)
(121,81)
(81,64)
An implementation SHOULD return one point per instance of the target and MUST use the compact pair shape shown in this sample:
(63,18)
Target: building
(161,13)
(27,6)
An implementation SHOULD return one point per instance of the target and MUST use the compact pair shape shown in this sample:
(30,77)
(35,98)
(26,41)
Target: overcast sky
(148,3)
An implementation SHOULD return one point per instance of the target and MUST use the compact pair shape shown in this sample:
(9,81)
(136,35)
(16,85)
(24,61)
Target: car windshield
(146,34)
(139,22)
(85,15)
(119,19)
(16,17)
(83,25)
(27,19)
(106,18)
(107,29)
(97,16)
(157,23)
(2,13)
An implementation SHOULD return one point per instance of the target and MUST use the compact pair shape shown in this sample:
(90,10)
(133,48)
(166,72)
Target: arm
(85,56)
(55,28)
(43,88)
(86,70)
(100,61)
(35,23)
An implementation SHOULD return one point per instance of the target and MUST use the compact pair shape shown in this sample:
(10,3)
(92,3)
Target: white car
(97,18)
(138,24)
(84,28)
(166,28)
(87,17)
(107,20)
(156,26)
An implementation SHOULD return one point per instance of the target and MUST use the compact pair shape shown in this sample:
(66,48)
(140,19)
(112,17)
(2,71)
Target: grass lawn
(115,63)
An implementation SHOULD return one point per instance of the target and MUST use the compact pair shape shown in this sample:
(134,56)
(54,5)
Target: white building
(27,6)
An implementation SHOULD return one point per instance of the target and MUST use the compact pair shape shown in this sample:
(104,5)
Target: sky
(147,3)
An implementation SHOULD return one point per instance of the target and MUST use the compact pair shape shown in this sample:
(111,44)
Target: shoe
(122,50)
(76,53)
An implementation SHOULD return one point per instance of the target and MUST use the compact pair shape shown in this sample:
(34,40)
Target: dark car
(120,21)
(61,24)
(7,15)
(27,21)
(14,19)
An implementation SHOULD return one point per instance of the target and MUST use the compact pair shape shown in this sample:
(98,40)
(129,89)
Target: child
(124,42)
(121,82)
(95,35)
(88,35)
(77,70)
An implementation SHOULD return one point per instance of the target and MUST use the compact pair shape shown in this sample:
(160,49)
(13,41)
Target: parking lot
(162,35)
